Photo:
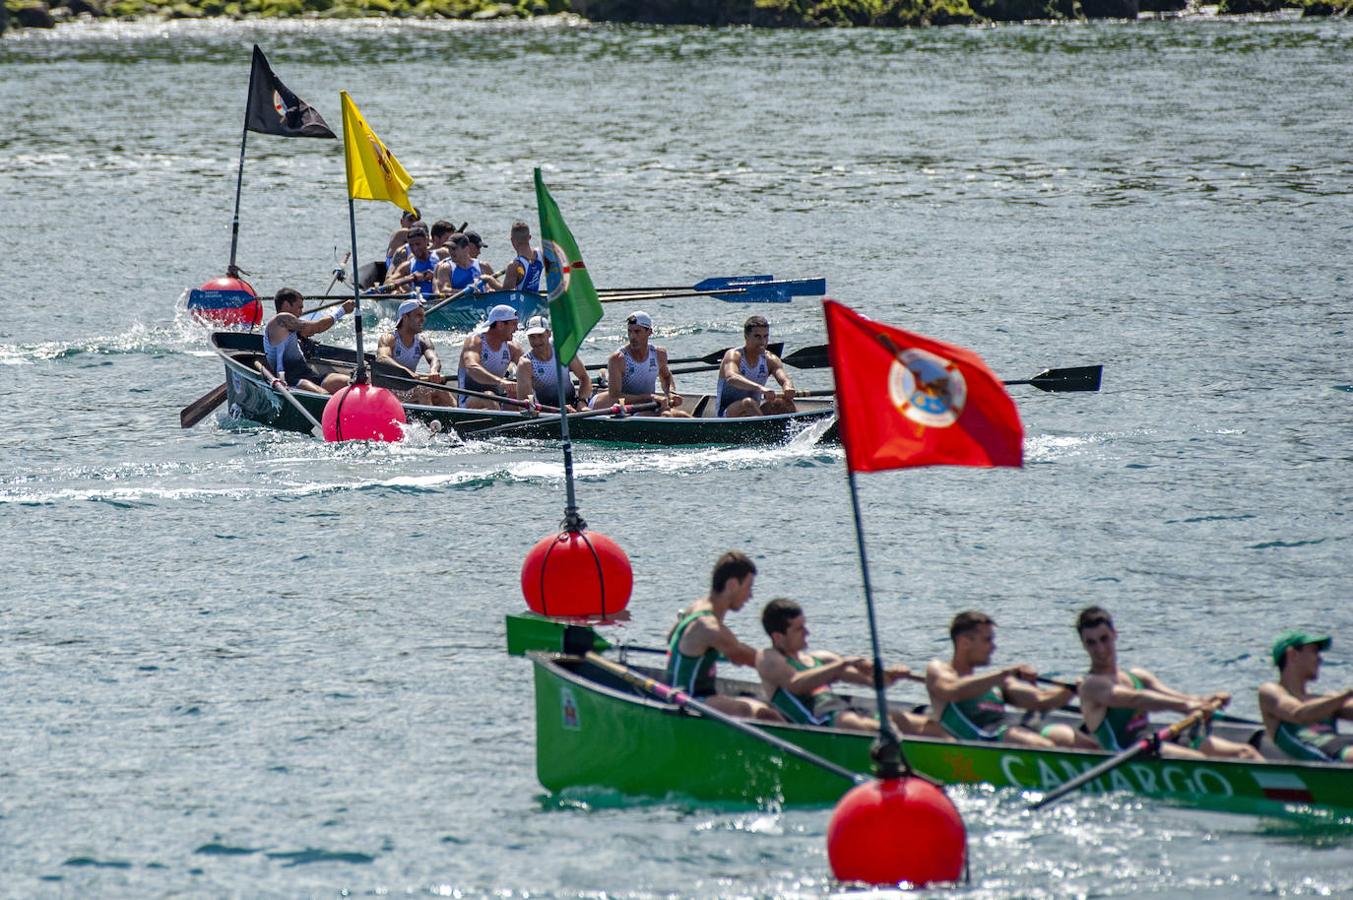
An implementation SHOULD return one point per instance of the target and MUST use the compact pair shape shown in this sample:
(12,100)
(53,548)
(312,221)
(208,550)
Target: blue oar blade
(721,284)
(200,299)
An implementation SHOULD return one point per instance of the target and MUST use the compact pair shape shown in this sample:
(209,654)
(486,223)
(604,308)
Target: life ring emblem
(927,389)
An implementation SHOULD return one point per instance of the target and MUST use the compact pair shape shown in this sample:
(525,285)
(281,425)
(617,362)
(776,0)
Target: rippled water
(241,662)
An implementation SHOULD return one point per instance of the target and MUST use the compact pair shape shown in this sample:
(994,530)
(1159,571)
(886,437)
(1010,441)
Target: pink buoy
(362,412)
(577,573)
(895,830)
(226,301)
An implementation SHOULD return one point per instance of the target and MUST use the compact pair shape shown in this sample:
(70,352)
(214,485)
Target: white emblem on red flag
(927,389)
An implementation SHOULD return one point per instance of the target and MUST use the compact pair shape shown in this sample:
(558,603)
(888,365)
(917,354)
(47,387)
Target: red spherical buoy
(361,412)
(895,830)
(577,573)
(226,301)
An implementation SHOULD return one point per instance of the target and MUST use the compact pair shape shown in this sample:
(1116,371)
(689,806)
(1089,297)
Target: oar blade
(1075,378)
(720,284)
(814,357)
(199,409)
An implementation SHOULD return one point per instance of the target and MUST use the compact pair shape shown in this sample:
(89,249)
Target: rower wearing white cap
(485,357)
(537,377)
(405,347)
(633,371)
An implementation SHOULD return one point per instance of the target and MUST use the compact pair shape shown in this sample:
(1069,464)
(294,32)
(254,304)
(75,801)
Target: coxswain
(971,706)
(477,246)
(799,681)
(405,347)
(485,357)
(633,372)
(1116,702)
(286,338)
(700,636)
(417,270)
(458,271)
(1301,724)
(523,273)
(397,248)
(537,377)
(743,374)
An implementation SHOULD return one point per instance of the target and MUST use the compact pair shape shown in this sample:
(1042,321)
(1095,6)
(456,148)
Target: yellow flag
(373,171)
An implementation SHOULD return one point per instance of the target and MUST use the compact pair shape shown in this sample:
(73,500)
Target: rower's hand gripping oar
(1150,742)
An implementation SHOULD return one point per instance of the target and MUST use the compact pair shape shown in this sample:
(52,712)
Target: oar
(1167,733)
(709,284)
(445,300)
(687,702)
(200,408)
(752,293)
(709,358)
(1084,378)
(619,409)
(383,369)
(316,429)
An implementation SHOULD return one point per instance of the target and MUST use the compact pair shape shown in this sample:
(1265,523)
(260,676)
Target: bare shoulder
(936,669)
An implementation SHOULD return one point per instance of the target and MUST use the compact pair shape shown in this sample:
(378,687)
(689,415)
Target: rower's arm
(526,387)
(512,274)
(727,643)
(1026,696)
(474,367)
(1151,683)
(1277,702)
(441,277)
(584,380)
(948,686)
(433,360)
(778,371)
(665,377)
(615,380)
(728,371)
(400,274)
(1119,697)
(311,327)
(385,355)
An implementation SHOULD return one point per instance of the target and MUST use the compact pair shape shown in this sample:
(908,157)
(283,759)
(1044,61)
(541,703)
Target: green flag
(574,307)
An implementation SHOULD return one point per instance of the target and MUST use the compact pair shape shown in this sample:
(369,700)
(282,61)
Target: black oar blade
(1076,378)
(814,357)
(196,411)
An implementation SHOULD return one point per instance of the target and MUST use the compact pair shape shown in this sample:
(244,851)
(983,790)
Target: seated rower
(416,271)
(397,249)
(700,635)
(485,357)
(799,682)
(405,347)
(1301,724)
(458,271)
(1115,702)
(742,376)
(537,377)
(283,347)
(477,246)
(441,233)
(523,273)
(972,706)
(633,372)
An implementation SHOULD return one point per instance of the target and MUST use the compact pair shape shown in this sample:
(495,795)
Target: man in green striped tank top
(1115,702)
(971,705)
(1305,725)
(798,681)
(700,636)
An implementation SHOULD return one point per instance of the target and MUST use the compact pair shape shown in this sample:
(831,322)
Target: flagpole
(232,270)
(358,376)
(572,521)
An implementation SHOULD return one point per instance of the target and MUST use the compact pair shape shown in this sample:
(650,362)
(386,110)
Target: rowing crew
(492,365)
(967,703)
(444,260)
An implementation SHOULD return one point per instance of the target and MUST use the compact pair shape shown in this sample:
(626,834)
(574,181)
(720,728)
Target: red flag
(907,400)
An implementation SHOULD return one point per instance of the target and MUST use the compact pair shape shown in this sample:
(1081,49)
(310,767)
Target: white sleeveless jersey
(639,377)
(408,357)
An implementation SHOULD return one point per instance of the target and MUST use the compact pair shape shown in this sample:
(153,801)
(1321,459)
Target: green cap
(1294,638)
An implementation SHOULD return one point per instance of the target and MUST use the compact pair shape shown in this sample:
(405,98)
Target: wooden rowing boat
(595,732)
(251,396)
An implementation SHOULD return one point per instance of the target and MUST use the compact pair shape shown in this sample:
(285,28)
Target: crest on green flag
(574,307)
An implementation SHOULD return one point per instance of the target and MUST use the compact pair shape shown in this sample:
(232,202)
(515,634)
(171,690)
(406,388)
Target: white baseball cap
(640,318)
(537,325)
(407,307)
(502,313)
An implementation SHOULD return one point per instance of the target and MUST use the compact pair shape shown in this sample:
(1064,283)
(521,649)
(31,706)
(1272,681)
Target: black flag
(274,109)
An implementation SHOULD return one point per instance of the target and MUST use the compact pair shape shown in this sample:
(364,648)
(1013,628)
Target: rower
(286,343)
(405,347)
(420,265)
(633,372)
(798,682)
(523,273)
(1301,724)
(537,377)
(485,357)
(477,246)
(441,233)
(397,248)
(743,373)
(458,271)
(1115,702)
(700,636)
(972,706)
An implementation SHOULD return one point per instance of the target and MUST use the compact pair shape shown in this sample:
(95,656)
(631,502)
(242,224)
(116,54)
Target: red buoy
(226,301)
(894,830)
(577,573)
(362,412)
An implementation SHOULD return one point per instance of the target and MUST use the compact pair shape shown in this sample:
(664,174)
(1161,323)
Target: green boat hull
(593,733)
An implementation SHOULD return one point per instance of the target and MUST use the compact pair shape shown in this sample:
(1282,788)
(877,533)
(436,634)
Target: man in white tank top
(403,349)
(486,356)
(537,377)
(634,371)
(745,371)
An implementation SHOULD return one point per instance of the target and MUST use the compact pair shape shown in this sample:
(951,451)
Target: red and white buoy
(577,573)
(226,301)
(363,412)
(894,830)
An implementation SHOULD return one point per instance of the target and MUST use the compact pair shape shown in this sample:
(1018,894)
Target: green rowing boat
(595,732)
(252,397)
